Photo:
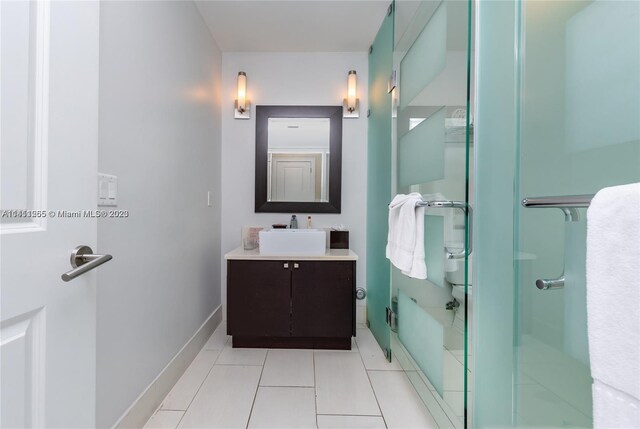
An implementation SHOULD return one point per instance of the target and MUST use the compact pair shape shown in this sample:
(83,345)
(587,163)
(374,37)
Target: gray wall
(160,79)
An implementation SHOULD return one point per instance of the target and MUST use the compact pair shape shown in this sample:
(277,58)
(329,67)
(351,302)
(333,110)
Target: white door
(295,178)
(49,149)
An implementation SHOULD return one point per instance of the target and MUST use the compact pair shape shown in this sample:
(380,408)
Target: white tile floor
(258,388)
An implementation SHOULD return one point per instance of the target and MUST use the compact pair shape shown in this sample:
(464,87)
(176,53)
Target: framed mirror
(298,159)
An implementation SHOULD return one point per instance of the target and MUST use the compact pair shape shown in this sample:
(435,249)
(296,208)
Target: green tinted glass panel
(379,182)
(423,337)
(434,248)
(421,151)
(576,88)
(493,311)
(433,138)
(426,58)
(614,90)
(585,92)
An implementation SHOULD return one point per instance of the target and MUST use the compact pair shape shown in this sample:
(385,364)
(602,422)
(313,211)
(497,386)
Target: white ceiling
(294,25)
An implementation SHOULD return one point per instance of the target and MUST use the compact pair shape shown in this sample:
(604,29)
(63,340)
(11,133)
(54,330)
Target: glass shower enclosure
(420,140)
(379,182)
(424,137)
(558,119)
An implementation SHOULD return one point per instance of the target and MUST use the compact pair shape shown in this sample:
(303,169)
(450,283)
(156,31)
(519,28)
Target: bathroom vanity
(291,301)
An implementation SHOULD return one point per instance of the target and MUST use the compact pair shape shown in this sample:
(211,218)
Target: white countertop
(331,255)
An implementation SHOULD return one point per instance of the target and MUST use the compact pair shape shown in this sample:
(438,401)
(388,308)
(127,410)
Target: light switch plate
(107,190)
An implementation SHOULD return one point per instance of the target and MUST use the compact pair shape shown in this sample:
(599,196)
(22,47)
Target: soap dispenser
(294,222)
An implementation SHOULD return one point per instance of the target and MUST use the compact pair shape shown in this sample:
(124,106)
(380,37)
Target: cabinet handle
(286,265)
(296,266)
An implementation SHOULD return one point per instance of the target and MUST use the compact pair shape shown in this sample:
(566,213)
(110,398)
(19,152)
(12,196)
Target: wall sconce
(242,106)
(351,103)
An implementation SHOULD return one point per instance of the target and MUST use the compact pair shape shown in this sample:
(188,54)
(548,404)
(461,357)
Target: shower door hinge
(368,112)
(392,319)
(387,354)
(391,83)
(370,49)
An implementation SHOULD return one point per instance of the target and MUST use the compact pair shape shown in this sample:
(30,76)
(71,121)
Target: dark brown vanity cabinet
(291,304)
(258,295)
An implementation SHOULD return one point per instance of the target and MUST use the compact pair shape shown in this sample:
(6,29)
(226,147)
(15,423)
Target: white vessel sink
(293,242)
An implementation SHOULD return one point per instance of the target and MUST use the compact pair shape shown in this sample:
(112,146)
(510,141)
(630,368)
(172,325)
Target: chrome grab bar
(579,201)
(545,284)
(468,211)
(568,204)
(83,260)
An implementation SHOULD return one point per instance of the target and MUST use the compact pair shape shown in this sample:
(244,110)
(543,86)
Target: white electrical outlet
(107,190)
(208,198)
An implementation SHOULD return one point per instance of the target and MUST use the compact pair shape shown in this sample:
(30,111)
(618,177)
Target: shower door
(433,137)
(558,116)
(379,182)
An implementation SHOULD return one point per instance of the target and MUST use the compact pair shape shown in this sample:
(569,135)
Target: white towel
(614,409)
(613,303)
(405,242)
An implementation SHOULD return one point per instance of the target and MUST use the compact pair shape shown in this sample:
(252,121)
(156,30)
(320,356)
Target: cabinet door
(259,298)
(322,298)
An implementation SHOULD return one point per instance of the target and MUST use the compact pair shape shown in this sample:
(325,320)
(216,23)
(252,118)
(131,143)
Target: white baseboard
(361,314)
(148,402)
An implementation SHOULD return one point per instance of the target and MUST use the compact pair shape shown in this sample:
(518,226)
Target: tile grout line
(239,364)
(264,362)
(288,387)
(315,390)
(371,384)
(384,420)
(389,370)
(349,415)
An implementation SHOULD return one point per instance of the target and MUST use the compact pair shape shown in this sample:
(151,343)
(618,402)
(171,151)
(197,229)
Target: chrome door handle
(468,211)
(83,260)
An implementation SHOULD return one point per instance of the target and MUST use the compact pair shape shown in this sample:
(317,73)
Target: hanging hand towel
(405,242)
(613,300)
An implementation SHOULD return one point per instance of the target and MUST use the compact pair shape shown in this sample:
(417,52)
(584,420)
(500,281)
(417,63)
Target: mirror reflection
(298,159)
